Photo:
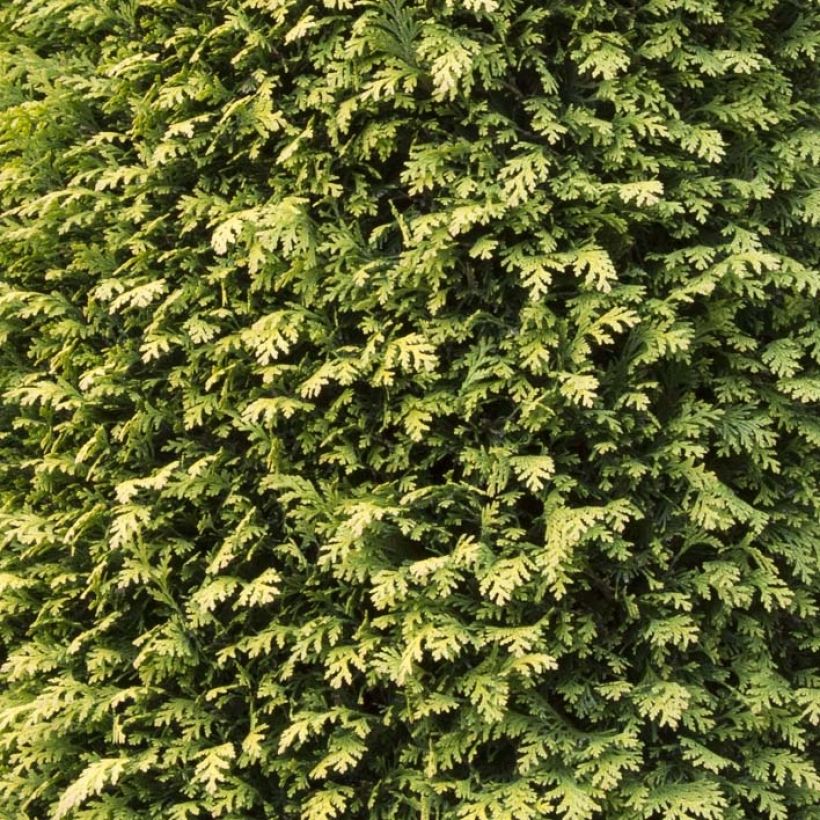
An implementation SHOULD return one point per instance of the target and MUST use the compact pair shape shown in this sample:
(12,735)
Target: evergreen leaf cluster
(409,409)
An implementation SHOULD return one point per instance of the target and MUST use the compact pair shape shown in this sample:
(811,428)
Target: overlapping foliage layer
(409,409)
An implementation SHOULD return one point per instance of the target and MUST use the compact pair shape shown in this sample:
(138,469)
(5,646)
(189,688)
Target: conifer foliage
(409,409)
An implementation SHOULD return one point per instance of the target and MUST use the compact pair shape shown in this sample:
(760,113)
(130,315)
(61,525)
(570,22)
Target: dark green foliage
(409,409)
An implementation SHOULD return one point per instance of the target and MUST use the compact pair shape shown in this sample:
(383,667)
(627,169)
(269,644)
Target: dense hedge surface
(409,409)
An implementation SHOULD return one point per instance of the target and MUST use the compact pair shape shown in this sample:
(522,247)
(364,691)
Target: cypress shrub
(409,409)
